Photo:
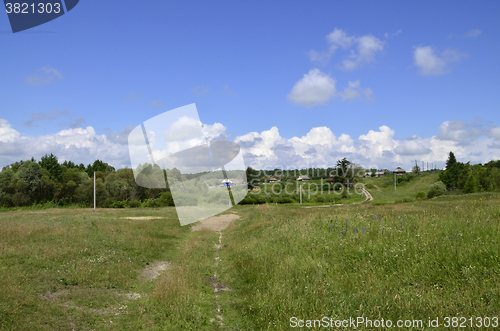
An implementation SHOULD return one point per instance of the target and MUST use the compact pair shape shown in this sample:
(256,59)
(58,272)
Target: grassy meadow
(65,269)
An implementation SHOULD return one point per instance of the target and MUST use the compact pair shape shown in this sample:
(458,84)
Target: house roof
(399,169)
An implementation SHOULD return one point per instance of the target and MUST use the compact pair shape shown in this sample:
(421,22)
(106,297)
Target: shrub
(436,190)
(248,200)
(134,204)
(421,195)
(283,200)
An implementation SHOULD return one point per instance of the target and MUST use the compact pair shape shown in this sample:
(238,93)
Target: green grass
(74,268)
(285,262)
(382,188)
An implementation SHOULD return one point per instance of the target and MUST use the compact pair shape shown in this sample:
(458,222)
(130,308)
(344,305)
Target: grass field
(64,269)
(382,188)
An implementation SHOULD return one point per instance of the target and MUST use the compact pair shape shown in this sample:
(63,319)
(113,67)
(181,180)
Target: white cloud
(494,132)
(44,76)
(185,128)
(215,131)
(353,91)
(430,63)
(366,47)
(320,147)
(460,131)
(7,133)
(412,146)
(315,88)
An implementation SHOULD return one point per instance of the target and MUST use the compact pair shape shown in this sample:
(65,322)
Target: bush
(436,190)
(134,204)
(421,195)
(282,200)
(248,200)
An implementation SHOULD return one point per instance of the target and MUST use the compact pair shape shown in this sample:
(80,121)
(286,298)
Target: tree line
(30,182)
(468,178)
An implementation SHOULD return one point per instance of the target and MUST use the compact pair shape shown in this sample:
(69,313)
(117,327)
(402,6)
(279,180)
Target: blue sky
(294,83)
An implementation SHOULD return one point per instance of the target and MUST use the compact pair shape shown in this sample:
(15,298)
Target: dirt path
(217,223)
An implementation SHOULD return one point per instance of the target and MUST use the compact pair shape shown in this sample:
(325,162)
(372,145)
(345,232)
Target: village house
(399,171)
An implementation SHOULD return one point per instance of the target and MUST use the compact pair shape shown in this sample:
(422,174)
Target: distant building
(272,180)
(304,177)
(330,180)
(379,173)
(399,171)
(368,174)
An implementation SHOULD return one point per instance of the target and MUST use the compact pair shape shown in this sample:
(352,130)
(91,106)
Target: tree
(436,190)
(415,169)
(343,166)
(451,175)
(52,165)
(98,165)
(31,173)
(252,176)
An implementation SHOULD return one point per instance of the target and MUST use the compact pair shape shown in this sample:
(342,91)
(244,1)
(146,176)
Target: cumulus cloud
(43,76)
(431,63)
(353,91)
(412,146)
(320,147)
(460,131)
(362,49)
(315,88)
(215,131)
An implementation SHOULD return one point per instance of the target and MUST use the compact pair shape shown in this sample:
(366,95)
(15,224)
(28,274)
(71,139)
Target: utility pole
(300,188)
(94,189)
(394,181)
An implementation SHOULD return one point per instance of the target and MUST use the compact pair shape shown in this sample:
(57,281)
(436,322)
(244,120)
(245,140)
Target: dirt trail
(217,223)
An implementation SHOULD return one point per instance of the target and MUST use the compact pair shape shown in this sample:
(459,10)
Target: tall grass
(440,259)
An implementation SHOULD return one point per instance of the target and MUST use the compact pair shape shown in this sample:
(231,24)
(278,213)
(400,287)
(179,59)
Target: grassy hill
(382,188)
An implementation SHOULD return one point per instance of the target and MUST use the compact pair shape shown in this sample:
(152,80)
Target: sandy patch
(215,223)
(153,270)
